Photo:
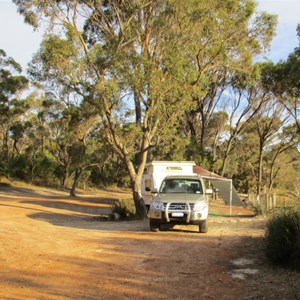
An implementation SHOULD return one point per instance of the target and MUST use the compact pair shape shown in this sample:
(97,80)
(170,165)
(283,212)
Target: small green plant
(283,239)
(258,210)
(125,208)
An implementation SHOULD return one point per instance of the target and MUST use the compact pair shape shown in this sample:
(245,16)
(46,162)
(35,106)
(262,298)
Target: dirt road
(53,247)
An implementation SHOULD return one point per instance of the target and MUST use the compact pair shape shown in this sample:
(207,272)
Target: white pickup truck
(174,195)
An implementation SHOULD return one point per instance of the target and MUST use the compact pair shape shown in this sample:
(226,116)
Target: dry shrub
(283,239)
(125,208)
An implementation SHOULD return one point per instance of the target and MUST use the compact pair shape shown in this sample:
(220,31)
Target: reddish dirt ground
(55,247)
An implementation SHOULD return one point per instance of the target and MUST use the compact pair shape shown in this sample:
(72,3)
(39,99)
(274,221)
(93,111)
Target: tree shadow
(139,266)
(60,193)
(101,208)
(21,191)
(89,222)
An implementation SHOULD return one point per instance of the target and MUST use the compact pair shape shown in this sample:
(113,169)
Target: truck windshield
(190,186)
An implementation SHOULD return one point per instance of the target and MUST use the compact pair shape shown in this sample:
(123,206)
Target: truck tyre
(154,226)
(203,227)
(147,210)
(163,227)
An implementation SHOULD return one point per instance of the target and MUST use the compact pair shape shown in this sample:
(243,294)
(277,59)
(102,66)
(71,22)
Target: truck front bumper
(178,217)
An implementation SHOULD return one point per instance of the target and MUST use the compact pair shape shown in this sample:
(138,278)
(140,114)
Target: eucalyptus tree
(267,125)
(287,140)
(244,101)
(235,43)
(152,56)
(262,150)
(283,79)
(85,150)
(68,129)
(12,106)
(216,130)
(243,161)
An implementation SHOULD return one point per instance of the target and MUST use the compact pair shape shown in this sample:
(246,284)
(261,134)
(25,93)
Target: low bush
(283,239)
(125,208)
(258,210)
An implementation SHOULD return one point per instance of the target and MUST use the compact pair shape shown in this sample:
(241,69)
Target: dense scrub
(283,239)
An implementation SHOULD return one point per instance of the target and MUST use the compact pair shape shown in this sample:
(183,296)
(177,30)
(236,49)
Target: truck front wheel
(203,227)
(154,226)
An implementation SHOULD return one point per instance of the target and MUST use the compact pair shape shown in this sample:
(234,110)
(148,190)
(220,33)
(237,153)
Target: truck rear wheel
(154,226)
(203,227)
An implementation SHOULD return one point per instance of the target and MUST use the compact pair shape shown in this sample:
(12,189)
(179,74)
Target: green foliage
(19,168)
(164,57)
(125,208)
(135,80)
(41,170)
(283,80)
(44,170)
(10,80)
(112,172)
(283,239)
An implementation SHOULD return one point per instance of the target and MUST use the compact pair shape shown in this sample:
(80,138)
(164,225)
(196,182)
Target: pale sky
(19,40)
(288,12)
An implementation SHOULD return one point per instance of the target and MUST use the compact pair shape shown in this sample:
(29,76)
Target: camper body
(174,195)
(156,171)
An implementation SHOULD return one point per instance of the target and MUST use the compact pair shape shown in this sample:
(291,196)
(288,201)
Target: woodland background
(118,83)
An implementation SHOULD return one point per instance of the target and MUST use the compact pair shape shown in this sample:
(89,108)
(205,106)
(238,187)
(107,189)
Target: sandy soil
(55,247)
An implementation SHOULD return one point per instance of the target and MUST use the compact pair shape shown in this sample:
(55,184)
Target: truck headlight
(200,206)
(157,205)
